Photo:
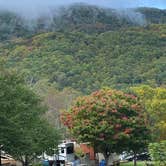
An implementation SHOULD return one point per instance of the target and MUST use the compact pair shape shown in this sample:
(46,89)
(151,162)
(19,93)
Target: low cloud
(34,8)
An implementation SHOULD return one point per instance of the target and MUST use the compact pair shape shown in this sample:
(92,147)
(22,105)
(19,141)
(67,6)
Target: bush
(158,152)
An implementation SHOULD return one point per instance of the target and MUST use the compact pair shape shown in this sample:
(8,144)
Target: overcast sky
(34,7)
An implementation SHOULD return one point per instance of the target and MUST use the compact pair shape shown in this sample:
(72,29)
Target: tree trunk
(106,159)
(135,159)
(96,159)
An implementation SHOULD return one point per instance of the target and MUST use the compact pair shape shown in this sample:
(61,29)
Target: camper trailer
(64,156)
(65,153)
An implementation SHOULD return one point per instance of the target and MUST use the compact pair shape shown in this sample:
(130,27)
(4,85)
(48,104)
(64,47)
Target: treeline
(87,62)
(80,17)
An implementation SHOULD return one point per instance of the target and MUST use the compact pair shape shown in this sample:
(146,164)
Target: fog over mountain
(35,8)
(20,17)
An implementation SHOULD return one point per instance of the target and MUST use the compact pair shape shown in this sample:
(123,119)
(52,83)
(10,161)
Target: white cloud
(33,8)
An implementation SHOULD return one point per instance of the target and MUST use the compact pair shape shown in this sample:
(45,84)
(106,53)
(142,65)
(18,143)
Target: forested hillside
(82,48)
(80,17)
(87,47)
(86,62)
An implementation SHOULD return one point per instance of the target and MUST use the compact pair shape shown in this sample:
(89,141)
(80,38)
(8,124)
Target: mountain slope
(87,62)
(80,17)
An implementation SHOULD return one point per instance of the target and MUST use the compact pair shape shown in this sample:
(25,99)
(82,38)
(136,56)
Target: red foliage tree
(108,119)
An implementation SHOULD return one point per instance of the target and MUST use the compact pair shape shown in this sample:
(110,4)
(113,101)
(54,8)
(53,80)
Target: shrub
(158,152)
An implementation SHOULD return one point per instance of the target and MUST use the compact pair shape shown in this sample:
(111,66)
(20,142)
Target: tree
(108,119)
(24,132)
(158,152)
(55,100)
(154,100)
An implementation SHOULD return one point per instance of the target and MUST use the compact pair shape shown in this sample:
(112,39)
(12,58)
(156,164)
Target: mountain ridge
(87,48)
(80,17)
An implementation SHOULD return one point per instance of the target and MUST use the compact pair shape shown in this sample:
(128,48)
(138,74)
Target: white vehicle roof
(65,144)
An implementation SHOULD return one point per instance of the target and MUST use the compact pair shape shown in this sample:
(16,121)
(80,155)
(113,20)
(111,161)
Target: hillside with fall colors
(88,49)
(87,62)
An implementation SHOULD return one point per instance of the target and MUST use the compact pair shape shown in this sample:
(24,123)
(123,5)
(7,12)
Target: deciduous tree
(24,133)
(154,100)
(109,119)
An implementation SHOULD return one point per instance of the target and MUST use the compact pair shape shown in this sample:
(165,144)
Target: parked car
(141,157)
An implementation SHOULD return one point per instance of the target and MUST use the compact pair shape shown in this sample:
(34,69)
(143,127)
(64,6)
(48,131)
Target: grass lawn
(139,163)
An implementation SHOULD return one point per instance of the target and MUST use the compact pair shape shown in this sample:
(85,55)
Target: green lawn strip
(139,163)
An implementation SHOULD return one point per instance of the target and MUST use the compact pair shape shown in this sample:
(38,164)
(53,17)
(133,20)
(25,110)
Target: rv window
(62,150)
(70,150)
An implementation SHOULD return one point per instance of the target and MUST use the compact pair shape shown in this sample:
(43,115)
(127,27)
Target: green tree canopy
(158,152)
(24,132)
(154,100)
(87,62)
